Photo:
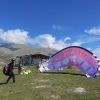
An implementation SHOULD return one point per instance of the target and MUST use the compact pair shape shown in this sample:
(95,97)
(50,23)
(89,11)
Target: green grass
(51,85)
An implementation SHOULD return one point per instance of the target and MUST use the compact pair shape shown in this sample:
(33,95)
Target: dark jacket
(11,66)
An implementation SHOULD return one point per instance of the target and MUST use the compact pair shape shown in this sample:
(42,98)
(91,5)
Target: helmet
(13,59)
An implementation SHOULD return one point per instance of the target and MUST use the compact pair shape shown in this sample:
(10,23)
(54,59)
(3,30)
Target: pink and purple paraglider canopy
(77,56)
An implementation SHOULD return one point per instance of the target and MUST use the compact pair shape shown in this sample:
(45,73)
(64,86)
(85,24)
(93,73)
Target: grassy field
(51,85)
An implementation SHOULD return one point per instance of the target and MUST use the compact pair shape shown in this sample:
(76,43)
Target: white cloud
(87,38)
(14,36)
(91,39)
(57,27)
(77,43)
(97,52)
(94,30)
(67,38)
(48,41)
(89,48)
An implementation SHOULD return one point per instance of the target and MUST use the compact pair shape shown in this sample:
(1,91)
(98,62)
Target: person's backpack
(6,70)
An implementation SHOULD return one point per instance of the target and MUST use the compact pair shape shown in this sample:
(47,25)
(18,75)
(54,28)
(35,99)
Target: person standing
(11,73)
(19,68)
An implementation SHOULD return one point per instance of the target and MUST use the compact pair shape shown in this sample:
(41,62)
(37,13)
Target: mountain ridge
(10,50)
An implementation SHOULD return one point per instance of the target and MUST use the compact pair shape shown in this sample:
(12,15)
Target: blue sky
(51,23)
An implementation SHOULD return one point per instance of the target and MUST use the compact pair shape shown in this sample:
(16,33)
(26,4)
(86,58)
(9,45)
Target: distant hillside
(8,51)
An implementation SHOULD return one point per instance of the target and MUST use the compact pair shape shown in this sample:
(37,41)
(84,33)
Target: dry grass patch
(44,86)
(79,90)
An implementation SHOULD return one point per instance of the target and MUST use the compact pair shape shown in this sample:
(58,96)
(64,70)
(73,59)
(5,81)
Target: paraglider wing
(77,56)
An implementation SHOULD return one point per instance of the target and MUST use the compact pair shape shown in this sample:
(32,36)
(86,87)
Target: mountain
(8,51)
